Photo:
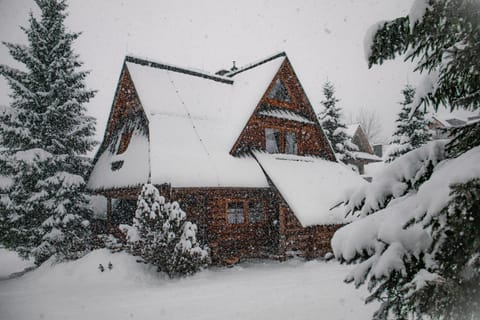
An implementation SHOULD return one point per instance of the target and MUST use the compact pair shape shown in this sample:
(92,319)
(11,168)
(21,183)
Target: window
(236,214)
(255,212)
(279,92)
(291,142)
(124,141)
(281,141)
(273,140)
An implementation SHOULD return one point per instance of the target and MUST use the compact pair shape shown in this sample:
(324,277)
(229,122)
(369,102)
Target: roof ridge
(256,64)
(161,65)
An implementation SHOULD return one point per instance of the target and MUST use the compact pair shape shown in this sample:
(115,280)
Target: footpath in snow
(252,290)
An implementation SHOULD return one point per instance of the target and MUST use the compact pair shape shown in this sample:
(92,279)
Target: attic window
(124,141)
(279,92)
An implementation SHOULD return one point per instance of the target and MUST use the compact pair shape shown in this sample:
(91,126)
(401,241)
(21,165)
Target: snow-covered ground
(252,290)
(10,263)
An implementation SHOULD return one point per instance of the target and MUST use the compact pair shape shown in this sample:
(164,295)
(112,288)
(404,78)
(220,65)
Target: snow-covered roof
(456,120)
(366,156)
(310,186)
(194,120)
(351,129)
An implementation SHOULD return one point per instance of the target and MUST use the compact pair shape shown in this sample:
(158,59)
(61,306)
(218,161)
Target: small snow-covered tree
(45,133)
(333,126)
(412,129)
(163,237)
(417,239)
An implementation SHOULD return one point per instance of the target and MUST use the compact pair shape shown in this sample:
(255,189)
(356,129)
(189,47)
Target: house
(242,152)
(441,126)
(364,155)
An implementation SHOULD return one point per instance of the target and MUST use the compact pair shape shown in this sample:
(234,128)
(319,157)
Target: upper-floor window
(280,141)
(291,146)
(279,92)
(273,140)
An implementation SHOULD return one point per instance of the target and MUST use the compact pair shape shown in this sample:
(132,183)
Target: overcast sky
(322,38)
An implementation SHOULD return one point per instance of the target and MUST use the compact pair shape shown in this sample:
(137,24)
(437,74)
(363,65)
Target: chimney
(234,68)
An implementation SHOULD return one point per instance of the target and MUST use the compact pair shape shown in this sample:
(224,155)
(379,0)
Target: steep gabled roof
(193,120)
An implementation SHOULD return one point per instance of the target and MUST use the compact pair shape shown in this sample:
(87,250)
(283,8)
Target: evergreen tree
(412,130)
(440,281)
(163,237)
(333,126)
(45,132)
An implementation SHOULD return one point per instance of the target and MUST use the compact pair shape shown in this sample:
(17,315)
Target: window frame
(245,216)
(292,104)
(263,215)
(295,134)
(282,131)
(246,212)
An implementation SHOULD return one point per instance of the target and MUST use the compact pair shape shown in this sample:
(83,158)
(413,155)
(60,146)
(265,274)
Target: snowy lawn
(252,290)
(10,263)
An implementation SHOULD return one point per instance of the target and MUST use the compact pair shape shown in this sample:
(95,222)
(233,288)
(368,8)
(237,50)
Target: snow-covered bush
(162,236)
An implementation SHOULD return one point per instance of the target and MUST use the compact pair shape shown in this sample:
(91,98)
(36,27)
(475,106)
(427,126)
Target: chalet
(365,153)
(242,152)
(441,126)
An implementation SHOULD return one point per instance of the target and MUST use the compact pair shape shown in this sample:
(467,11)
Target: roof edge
(256,64)
(158,65)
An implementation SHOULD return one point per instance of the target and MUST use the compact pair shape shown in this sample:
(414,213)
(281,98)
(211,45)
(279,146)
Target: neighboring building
(441,126)
(365,153)
(243,153)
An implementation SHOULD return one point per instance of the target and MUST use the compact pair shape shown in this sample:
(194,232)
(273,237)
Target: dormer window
(279,92)
(124,141)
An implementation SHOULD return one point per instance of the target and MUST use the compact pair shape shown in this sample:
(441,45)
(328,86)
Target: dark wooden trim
(157,65)
(281,54)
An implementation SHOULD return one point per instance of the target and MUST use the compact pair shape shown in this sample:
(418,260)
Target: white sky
(323,39)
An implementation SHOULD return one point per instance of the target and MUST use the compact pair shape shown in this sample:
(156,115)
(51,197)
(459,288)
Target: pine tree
(334,128)
(412,130)
(45,132)
(163,236)
(440,281)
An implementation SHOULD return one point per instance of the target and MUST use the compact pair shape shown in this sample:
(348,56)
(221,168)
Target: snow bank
(252,290)
(10,263)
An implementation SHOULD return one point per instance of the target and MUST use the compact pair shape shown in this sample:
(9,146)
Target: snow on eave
(256,63)
(286,115)
(174,68)
(366,156)
(310,186)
